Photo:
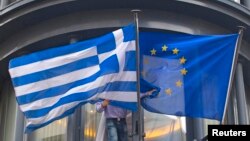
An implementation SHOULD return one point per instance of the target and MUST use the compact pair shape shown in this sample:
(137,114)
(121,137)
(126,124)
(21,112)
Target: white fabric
(52,62)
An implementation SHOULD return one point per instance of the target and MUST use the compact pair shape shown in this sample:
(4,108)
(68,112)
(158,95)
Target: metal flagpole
(232,74)
(138,123)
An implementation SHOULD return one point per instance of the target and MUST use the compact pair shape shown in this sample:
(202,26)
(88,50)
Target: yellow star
(168,91)
(175,51)
(183,60)
(178,83)
(164,48)
(146,61)
(184,71)
(153,51)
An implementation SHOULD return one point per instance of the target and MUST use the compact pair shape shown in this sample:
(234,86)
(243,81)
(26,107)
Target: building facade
(31,25)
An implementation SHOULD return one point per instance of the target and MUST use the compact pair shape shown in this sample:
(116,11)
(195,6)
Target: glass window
(160,127)
(238,1)
(209,122)
(8,113)
(56,131)
(94,124)
(91,122)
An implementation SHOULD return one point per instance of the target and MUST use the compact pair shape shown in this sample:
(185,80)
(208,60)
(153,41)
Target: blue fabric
(81,96)
(200,90)
(53,72)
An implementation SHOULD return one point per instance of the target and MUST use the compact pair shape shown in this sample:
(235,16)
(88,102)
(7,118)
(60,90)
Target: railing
(8,5)
(5,3)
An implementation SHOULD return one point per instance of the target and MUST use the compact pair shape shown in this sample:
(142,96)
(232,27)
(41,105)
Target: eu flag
(192,72)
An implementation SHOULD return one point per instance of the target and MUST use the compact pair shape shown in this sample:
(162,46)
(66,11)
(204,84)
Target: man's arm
(147,93)
(100,106)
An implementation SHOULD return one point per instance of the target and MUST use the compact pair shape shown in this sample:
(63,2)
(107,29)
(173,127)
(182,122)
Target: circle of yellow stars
(182,61)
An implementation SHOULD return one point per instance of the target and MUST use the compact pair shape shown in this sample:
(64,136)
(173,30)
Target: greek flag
(51,84)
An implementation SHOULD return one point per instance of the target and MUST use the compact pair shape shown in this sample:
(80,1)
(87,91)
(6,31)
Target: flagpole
(232,74)
(139,122)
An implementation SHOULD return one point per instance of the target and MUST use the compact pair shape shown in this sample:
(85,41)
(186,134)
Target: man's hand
(150,92)
(105,103)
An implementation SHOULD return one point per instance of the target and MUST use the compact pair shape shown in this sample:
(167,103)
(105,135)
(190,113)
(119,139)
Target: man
(116,125)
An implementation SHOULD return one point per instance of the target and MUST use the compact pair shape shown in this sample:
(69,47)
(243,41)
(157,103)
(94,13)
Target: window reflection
(160,127)
(91,122)
(94,124)
(55,131)
(237,1)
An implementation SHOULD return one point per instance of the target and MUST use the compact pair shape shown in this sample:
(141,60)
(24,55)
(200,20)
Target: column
(3,3)
(190,129)
(241,96)
(19,129)
(198,129)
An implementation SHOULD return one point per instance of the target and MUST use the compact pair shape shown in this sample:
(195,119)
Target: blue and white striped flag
(50,84)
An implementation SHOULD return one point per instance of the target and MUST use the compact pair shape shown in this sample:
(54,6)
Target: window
(91,122)
(8,111)
(56,131)
(159,127)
